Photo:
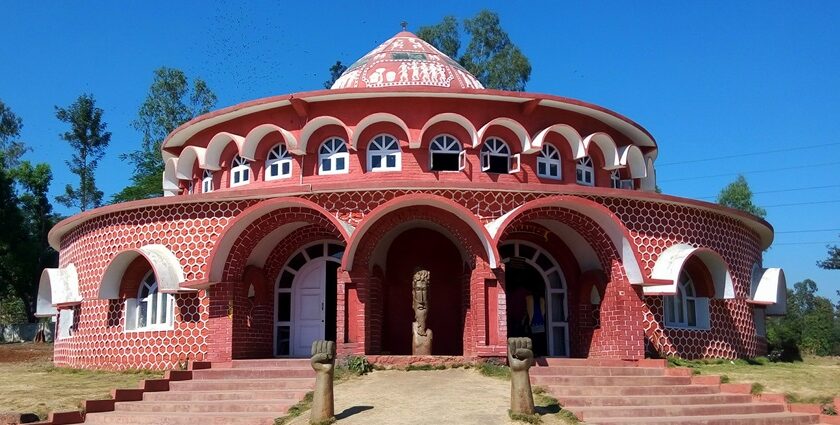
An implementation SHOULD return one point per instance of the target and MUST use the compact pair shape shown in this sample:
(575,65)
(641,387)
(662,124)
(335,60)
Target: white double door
(309,291)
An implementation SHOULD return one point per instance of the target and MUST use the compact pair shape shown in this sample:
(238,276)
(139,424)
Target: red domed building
(303,216)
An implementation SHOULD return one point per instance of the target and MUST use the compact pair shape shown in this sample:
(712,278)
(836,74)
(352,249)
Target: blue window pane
(274,169)
(287,168)
(392,161)
(339,163)
(326,165)
(541,168)
(375,161)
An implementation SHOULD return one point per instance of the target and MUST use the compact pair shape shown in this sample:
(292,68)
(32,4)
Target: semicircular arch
(571,135)
(256,135)
(672,261)
(165,265)
(447,117)
(512,125)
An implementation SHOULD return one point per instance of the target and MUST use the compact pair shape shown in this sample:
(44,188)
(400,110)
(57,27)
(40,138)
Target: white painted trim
(190,154)
(57,287)
(371,119)
(164,263)
(313,125)
(512,125)
(217,145)
(255,136)
(444,117)
(670,263)
(769,287)
(608,149)
(631,156)
(384,153)
(170,178)
(573,138)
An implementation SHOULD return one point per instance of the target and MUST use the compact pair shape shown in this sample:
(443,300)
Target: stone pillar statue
(422,336)
(520,358)
(323,361)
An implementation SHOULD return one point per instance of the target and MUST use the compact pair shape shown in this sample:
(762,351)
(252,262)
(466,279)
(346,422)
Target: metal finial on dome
(404,25)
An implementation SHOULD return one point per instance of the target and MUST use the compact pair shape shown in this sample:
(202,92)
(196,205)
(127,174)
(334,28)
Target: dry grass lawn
(30,384)
(814,380)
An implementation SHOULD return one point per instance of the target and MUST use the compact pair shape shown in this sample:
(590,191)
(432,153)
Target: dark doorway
(435,252)
(330,300)
(525,287)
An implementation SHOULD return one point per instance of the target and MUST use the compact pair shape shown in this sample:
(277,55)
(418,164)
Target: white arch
(570,134)
(607,146)
(217,145)
(170,178)
(649,181)
(374,118)
(316,123)
(451,117)
(189,156)
(670,263)
(164,263)
(512,125)
(253,138)
(57,287)
(769,287)
(631,156)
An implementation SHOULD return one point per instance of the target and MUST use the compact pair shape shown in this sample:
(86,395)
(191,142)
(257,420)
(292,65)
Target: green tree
(11,148)
(335,73)
(832,260)
(13,238)
(490,55)
(89,138)
(171,102)
(739,196)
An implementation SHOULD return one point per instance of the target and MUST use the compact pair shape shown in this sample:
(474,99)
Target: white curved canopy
(255,136)
(608,149)
(57,287)
(313,125)
(373,119)
(769,287)
(512,125)
(649,181)
(217,145)
(570,134)
(165,265)
(190,154)
(631,156)
(450,117)
(671,262)
(170,178)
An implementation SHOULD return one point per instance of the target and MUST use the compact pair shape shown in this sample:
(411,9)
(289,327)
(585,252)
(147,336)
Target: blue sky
(707,79)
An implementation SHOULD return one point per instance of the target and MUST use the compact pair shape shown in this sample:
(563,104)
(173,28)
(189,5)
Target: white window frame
(677,308)
(190,189)
(160,307)
(496,147)
(278,156)
(627,184)
(384,146)
(550,156)
(583,168)
(240,171)
(446,144)
(207,181)
(615,179)
(333,149)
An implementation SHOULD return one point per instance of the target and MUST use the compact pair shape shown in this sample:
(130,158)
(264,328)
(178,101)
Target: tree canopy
(88,136)
(171,101)
(739,196)
(10,147)
(336,70)
(490,55)
(811,325)
(832,260)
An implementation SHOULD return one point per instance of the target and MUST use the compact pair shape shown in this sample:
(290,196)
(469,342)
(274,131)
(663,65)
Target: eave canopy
(57,287)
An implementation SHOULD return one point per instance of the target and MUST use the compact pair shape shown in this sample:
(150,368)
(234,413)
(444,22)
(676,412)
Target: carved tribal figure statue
(323,361)
(422,336)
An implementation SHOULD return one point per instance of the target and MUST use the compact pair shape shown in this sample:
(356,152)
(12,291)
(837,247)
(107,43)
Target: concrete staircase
(647,392)
(252,392)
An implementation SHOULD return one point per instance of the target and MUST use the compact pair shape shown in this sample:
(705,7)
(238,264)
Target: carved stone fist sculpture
(323,361)
(520,358)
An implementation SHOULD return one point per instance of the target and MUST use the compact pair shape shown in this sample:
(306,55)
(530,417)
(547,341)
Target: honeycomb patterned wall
(191,230)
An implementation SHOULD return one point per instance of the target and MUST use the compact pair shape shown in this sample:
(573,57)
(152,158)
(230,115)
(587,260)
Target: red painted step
(294,394)
(140,418)
(253,373)
(757,419)
(596,412)
(655,400)
(631,390)
(236,406)
(271,363)
(241,384)
(537,379)
(598,371)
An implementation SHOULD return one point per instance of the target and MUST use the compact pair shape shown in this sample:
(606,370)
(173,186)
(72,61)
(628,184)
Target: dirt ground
(452,396)
(30,384)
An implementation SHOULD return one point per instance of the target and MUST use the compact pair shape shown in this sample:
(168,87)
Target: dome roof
(406,60)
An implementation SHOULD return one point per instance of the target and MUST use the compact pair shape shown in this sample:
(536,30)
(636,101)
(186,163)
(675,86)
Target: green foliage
(756,388)
(724,379)
(522,417)
(88,137)
(335,72)
(296,410)
(424,366)
(568,417)
(358,365)
(490,55)
(12,308)
(739,196)
(10,148)
(171,102)
(494,369)
(832,260)
(811,325)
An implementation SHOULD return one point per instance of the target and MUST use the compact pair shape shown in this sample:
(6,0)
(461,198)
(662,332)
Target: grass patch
(724,379)
(568,417)
(522,417)
(424,366)
(296,410)
(545,404)
(31,384)
(494,369)
(756,388)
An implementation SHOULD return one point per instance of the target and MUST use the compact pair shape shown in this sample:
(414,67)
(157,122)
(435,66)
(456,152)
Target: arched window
(384,153)
(207,181)
(189,187)
(585,172)
(154,309)
(446,154)
(240,171)
(496,157)
(685,309)
(615,179)
(549,163)
(333,157)
(278,165)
